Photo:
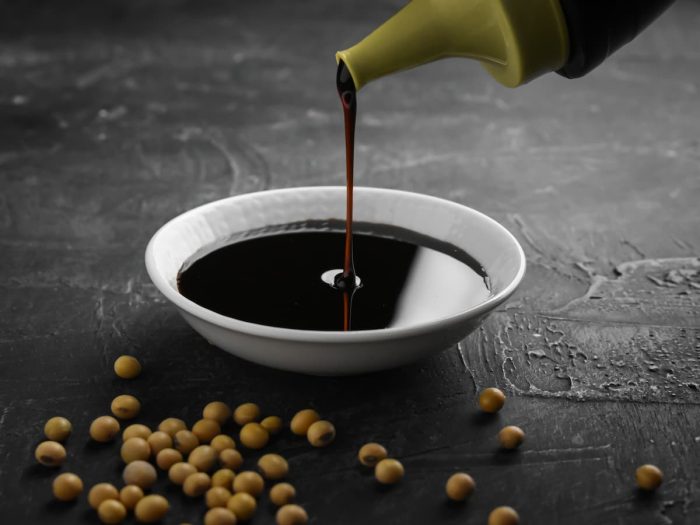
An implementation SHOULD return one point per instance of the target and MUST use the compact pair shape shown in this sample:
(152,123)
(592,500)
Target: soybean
(503,516)
(151,508)
(111,511)
(302,420)
(206,430)
(179,472)
(126,406)
(511,437)
(388,471)
(321,433)
(172,425)
(159,440)
(130,496)
(57,429)
(246,413)
(101,492)
(459,486)
(273,424)
(196,484)
(371,453)
(203,458)
(273,466)
(292,515)
(254,436)
(250,482)
(231,458)
(491,400)
(223,478)
(50,453)
(104,429)
(649,477)
(67,486)
(167,457)
(127,367)
(219,516)
(282,493)
(243,505)
(134,449)
(222,442)
(185,441)
(136,430)
(217,497)
(218,411)
(140,473)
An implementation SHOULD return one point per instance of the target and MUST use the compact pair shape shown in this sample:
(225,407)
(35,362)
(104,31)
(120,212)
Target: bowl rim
(316,336)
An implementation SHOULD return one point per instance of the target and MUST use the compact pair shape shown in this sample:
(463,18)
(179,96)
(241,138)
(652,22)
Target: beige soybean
(273,424)
(67,486)
(273,466)
(321,433)
(179,472)
(136,430)
(649,477)
(246,413)
(203,458)
(218,411)
(491,400)
(104,429)
(50,453)
(254,436)
(282,494)
(140,473)
(219,516)
(167,457)
(231,458)
(302,420)
(196,484)
(291,515)
(134,449)
(388,471)
(503,516)
(371,453)
(459,486)
(243,505)
(151,508)
(126,406)
(111,511)
(130,495)
(159,440)
(57,429)
(217,497)
(127,367)
(223,478)
(511,437)
(206,430)
(250,482)
(185,441)
(172,425)
(101,492)
(222,442)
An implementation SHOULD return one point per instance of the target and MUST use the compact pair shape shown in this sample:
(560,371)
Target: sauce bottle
(515,40)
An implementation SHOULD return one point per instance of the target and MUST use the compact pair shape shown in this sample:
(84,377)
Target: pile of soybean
(206,463)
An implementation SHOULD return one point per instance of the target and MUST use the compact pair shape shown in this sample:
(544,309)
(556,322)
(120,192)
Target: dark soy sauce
(275,279)
(346,281)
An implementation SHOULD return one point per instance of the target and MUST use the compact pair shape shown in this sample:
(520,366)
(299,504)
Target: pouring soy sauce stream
(346,281)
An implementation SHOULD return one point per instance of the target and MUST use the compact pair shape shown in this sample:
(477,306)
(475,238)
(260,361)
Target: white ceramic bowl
(334,353)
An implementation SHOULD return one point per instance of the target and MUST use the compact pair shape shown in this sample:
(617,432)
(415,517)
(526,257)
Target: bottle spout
(515,41)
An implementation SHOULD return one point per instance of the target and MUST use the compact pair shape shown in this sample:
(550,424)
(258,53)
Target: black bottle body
(598,28)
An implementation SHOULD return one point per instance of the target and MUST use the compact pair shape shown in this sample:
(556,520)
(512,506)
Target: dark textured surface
(115,116)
